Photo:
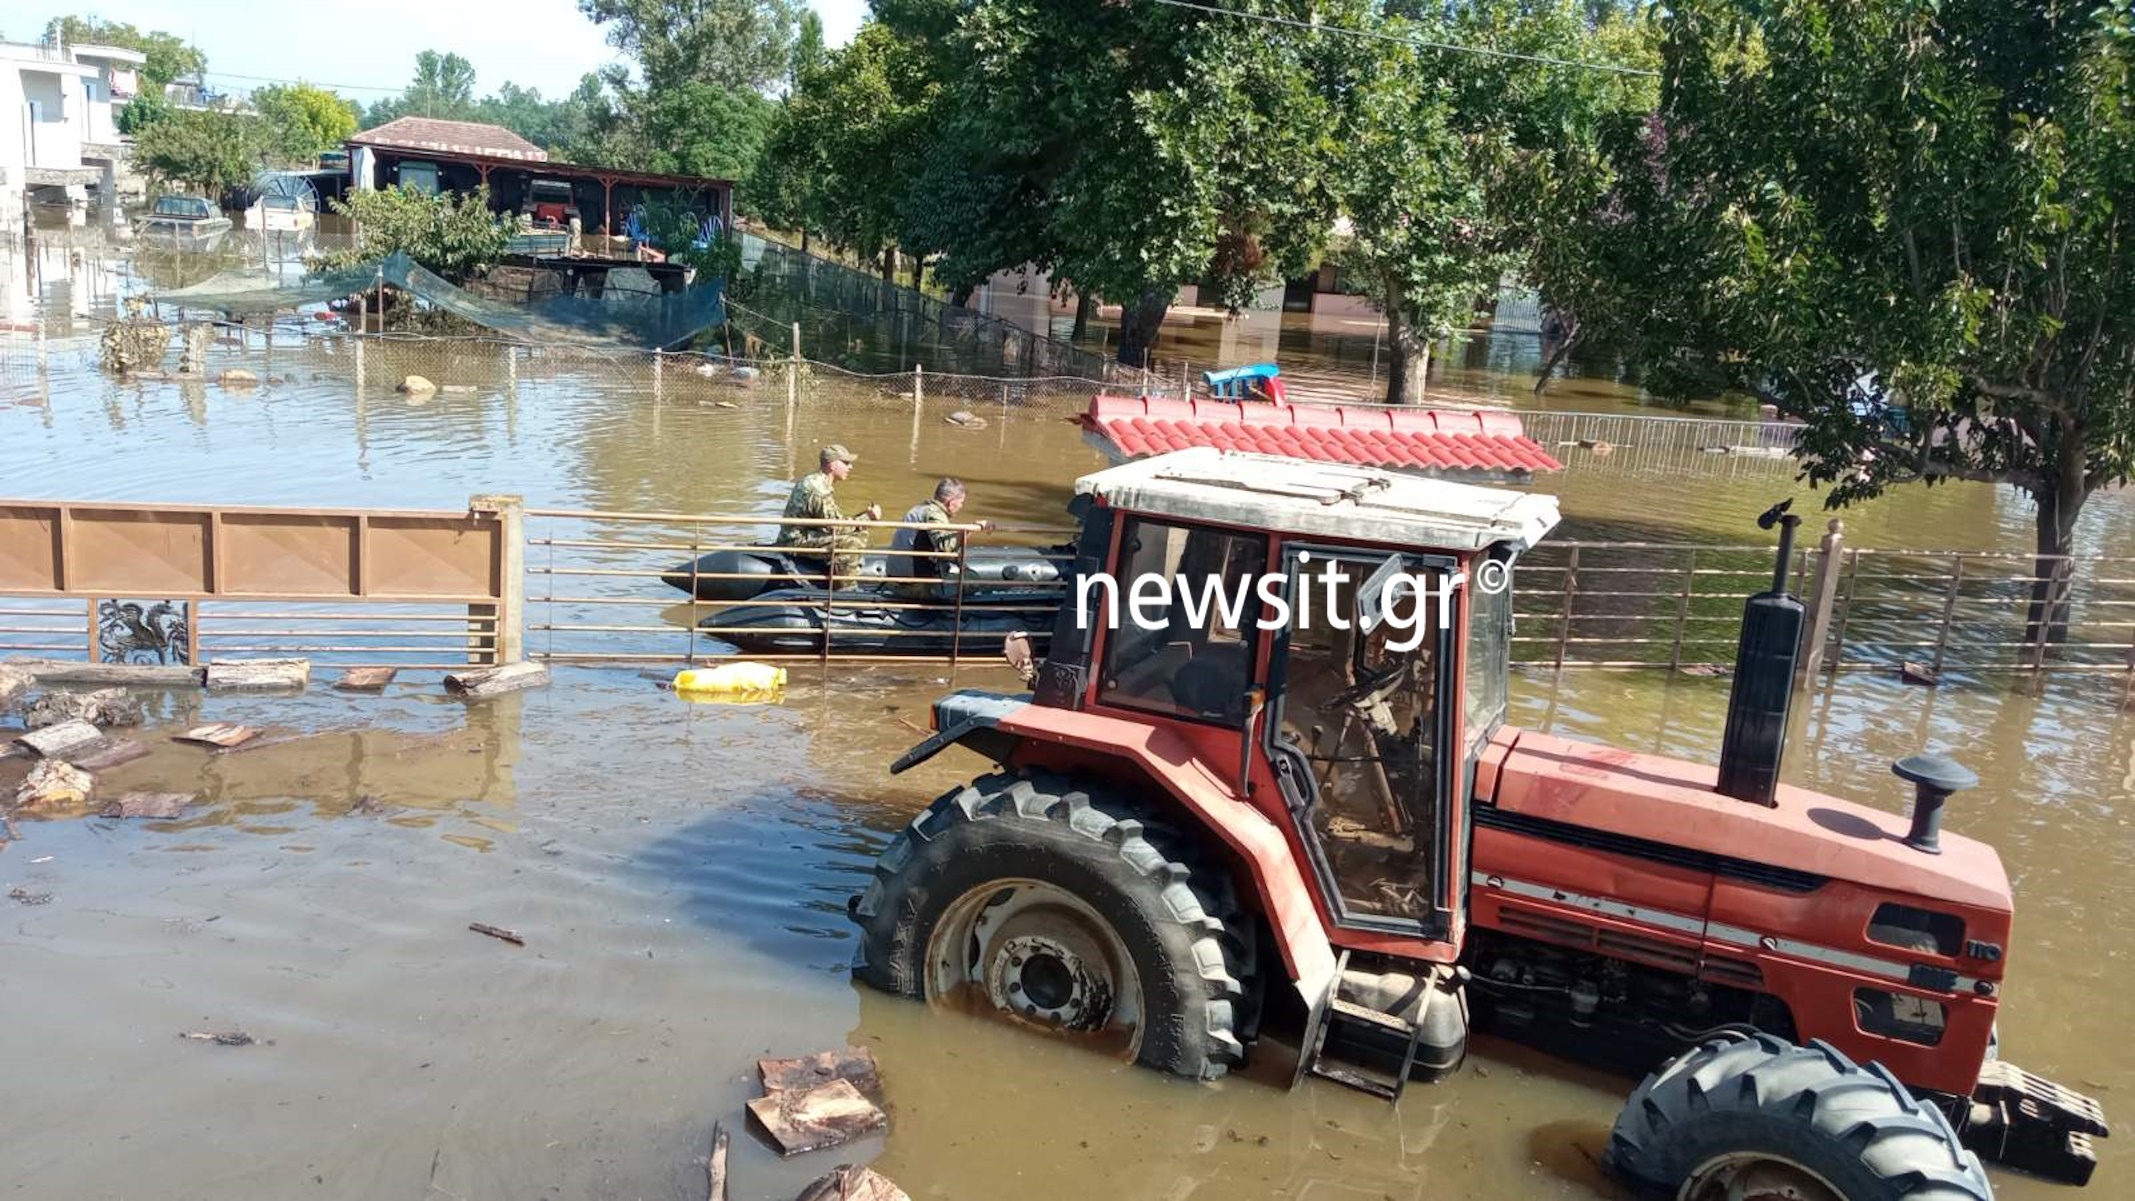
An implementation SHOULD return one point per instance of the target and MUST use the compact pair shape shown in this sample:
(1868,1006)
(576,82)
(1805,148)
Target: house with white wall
(58,125)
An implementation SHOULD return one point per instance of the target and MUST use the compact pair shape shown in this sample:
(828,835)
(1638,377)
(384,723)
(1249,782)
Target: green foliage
(1903,221)
(701,129)
(455,236)
(678,231)
(443,88)
(203,151)
(169,57)
(741,45)
(142,111)
(301,121)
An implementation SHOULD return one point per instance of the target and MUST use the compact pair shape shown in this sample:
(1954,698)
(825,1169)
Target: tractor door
(1361,735)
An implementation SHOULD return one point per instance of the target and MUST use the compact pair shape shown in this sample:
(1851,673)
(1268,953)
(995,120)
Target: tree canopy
(302,122)
(206,151)
(1902,221)
(169,57)
(455,236)
(741,45)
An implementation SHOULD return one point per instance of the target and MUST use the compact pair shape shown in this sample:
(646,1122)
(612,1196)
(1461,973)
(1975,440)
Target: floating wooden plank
(715,1167)
(496,681)
(854,1064)
(258,675)
(803,1120)
(114,752)
(510,936)
(221,735)
(157,805)
(366,679)
(56,671)
(851,1182)
(64,740)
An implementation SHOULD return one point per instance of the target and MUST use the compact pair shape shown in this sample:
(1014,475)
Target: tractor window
(1190,652)
(1489,658)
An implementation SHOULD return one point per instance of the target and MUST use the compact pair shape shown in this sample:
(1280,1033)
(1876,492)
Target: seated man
(939,509)
(815,498)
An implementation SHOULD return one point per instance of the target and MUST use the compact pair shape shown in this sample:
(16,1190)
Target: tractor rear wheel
(1064,906)
(1750,1119)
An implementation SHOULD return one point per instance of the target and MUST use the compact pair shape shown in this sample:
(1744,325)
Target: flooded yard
(679,871)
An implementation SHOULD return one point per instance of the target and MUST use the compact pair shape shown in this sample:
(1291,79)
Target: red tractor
(1266,767)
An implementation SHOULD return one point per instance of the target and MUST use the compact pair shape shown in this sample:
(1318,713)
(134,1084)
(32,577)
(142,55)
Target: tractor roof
(1329,500)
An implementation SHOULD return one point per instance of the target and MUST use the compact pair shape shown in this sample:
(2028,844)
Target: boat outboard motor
(1756,735)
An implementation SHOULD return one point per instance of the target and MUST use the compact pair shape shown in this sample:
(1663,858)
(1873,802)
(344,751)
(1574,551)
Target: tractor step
(1357,1017)
(2031,1124)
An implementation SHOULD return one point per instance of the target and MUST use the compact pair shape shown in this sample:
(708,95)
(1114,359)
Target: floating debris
(966,418)
(366,679)
(226,1038)
(496,681)
(1919,673)
(829,1115)
(62,741)
(26,897)
(55,784)
(258,675)
(221,735)
(851,1182)
(112,753)
(415,385)
(156,805)
(855,1065)
(510,936)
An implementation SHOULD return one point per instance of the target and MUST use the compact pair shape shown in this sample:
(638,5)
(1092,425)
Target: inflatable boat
(761,569)
(863,621)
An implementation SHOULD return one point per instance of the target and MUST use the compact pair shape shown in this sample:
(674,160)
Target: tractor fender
(1011,730)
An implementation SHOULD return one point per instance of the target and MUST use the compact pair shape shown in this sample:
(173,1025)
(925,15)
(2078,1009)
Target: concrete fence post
(1823,598)
(507,643)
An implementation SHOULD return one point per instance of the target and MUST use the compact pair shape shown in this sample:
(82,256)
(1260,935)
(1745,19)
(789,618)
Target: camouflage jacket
(945,541)
(814,498)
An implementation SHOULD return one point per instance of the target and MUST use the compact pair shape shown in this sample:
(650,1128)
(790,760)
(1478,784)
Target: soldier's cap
(835,453)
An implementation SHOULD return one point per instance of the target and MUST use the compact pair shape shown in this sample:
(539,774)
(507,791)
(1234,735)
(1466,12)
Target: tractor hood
(1673,803)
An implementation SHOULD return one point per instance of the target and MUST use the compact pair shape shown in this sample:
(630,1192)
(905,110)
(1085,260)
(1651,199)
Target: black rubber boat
(762,569)
(792,621)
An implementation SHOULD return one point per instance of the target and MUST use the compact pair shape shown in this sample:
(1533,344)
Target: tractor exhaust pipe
(1755,741)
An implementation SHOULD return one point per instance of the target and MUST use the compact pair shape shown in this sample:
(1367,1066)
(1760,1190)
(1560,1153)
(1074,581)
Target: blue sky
(368,50)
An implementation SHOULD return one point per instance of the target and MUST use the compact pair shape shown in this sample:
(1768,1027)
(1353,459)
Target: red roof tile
(1433,441)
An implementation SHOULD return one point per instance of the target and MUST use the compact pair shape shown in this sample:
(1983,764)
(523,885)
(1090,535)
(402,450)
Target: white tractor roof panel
(1328,500)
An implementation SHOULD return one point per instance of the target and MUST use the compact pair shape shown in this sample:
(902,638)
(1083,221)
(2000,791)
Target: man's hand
(872,512)
(985,526)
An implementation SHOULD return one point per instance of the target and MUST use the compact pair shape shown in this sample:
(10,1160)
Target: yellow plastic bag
(731,682)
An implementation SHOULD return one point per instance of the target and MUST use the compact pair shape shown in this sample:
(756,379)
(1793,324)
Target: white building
(58,124)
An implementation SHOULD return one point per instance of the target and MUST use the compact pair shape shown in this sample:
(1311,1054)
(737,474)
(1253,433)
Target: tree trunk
(1085,304)
(889,264)
(919,270)
(804,239)
(1556,356)
(1408,361)
(1139,324)
(2060,502)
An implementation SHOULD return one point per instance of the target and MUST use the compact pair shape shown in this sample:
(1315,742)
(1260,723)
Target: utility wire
(317,83)
(1422,43)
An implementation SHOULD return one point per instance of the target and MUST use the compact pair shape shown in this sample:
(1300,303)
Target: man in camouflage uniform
(940,509)
(814,497)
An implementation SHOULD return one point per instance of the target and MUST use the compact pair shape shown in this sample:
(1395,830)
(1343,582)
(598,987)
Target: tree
(169,57)
(702,129)
(455,236)
(302,122)
(443,88)
(808,48)
(738,44)
(206,151)
(1906,223)
(142,111)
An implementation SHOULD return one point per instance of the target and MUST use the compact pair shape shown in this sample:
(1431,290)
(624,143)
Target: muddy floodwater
(679,871)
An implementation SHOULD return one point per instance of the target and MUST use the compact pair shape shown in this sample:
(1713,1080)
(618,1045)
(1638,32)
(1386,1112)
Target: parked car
(189,222)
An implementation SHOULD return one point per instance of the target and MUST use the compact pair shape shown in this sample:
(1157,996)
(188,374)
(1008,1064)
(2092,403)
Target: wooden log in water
(366,679)
(715,1167)
(259,675)
(57,671)
(853,1064)
(64,740)
(496,681)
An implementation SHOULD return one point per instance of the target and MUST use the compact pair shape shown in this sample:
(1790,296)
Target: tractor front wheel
(1062,906)
(1759,1118)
